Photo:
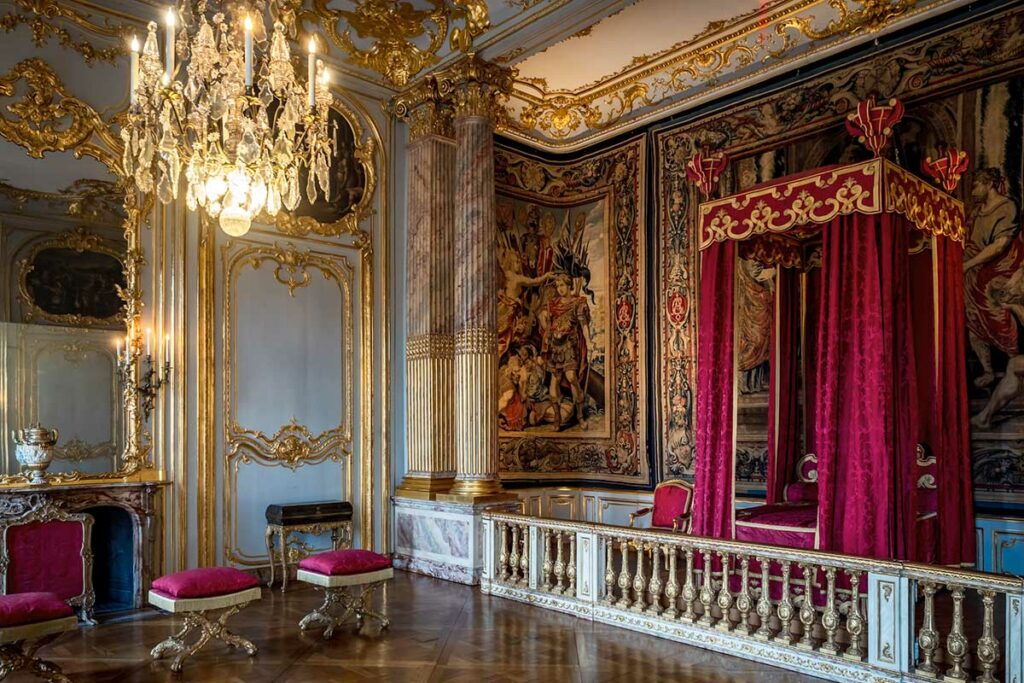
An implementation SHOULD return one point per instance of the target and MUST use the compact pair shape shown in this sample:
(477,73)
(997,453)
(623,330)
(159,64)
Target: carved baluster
(625,578)
(988,646)
(570,571)
(707,591)
(609,571)
(724,599)
(689,589)
(639,581)
(672,588)
(546,567)
(928,637)
(559,564)
(807,609)
(513,558)
(855,621)
(744,602)
(784,610)
(764,601)
(654,587)
(956,642)
(503,554)
(524,557)
(830,617)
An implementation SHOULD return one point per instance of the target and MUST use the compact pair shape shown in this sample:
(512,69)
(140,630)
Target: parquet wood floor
(439,631)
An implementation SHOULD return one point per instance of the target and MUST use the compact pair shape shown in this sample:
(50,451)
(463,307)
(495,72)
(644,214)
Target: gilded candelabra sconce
(152,376)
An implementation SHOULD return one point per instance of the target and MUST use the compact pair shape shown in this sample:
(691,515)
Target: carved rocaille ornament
(397,31)
(42,16)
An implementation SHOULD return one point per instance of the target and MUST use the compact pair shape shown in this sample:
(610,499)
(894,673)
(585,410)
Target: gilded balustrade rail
(834,616)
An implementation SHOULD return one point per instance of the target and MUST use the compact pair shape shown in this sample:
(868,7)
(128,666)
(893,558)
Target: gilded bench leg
(198,621)
(18,656)
(325,614)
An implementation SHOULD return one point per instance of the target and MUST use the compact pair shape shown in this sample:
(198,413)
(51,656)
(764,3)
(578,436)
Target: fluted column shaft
(476,314)
(430,316)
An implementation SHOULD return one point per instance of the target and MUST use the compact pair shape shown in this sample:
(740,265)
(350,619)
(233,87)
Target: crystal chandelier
(240,124)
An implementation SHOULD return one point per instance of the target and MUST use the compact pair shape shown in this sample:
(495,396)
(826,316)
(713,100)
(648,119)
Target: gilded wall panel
(571,308)
(287,384)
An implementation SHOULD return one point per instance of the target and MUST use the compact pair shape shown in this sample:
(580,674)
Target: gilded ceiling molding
(763,40)
(397,31)
(41,17)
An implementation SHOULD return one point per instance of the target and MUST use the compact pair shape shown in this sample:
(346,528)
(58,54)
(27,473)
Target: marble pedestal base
(442,539)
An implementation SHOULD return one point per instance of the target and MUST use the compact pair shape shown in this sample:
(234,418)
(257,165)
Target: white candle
(149,342)
(134,77)
(170,42)
(118,351)
(248,52)
(312,71)
(167,349)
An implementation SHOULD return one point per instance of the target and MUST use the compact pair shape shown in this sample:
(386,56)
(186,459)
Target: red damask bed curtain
(784,435)
(713,479)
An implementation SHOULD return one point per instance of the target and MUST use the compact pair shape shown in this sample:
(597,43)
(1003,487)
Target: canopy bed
(867,435)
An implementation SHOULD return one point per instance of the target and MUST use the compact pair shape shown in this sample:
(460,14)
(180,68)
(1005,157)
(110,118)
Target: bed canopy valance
(869,330)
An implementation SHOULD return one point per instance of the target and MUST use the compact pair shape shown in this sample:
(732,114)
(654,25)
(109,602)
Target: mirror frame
(50,119)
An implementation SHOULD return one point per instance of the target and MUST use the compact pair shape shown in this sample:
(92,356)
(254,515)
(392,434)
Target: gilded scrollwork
(397,31)
(42,17)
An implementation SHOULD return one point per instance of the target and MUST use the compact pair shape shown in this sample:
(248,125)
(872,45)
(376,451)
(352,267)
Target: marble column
(476,273)
(430,314)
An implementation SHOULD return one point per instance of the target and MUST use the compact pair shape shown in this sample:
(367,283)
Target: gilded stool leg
(325,616)
(20,657)
(268,536)
(198,621)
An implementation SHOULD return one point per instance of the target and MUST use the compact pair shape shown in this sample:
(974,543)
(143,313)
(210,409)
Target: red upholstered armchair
(673,505)
(48,550)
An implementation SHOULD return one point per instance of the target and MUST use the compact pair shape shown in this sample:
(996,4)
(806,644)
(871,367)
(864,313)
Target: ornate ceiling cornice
(725,56)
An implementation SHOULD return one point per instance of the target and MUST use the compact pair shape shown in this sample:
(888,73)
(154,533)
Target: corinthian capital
(475,87)
(424,111)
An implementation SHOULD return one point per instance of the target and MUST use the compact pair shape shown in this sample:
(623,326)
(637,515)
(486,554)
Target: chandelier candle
(236,119)
(134,71)
(170,42)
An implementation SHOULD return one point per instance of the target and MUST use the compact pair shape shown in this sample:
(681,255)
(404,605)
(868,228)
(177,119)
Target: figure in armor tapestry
(552,318)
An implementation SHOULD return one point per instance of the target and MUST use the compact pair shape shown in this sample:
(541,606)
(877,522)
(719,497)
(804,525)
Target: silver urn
(34,450)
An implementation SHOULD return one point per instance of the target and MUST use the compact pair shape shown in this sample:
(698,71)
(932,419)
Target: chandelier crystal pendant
(239,123)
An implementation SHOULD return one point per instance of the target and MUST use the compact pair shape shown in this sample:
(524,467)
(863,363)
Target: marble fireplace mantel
(140,499)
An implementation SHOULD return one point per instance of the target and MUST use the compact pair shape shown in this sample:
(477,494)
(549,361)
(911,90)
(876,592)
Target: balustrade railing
(834,616)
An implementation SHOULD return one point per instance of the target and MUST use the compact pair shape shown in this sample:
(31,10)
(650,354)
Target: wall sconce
(151,377)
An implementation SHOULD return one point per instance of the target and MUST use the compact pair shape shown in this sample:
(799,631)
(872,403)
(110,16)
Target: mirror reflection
(62,250)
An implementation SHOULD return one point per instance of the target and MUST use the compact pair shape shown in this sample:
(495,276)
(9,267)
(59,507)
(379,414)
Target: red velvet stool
(194,593)
(335,571)
(29,621)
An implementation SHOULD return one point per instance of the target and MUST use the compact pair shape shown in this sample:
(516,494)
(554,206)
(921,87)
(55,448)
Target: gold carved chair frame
(41,115)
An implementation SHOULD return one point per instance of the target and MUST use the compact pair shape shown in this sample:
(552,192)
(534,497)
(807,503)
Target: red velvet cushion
(345,562)
(669,503)
(205,583)
(30,608)
(46,557)
(802,492)
(802,515)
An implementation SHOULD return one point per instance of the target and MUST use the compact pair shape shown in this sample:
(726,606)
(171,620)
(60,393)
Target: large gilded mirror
(69,296)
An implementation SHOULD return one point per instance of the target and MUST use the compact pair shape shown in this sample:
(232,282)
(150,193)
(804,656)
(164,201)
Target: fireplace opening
(113,574)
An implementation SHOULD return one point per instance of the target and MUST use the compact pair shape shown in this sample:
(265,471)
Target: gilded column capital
(475,87)
(424,111)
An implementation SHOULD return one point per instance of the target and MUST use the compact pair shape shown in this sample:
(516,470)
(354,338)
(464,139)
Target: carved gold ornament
(49,119)
(763,39)
(42,17)
(399,29)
